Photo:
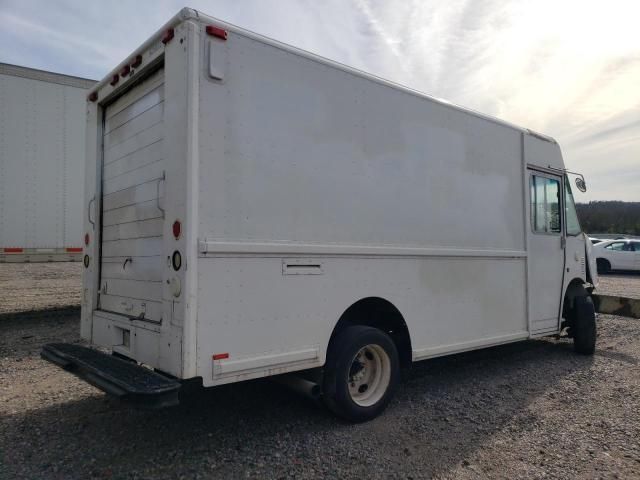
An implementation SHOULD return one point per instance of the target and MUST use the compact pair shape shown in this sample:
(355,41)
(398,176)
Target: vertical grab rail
(161,179)
(92,222)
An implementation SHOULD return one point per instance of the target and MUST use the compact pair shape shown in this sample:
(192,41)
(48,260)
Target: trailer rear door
(133,168)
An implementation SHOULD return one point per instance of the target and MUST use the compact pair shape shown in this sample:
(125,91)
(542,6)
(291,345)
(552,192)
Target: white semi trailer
(42,138)
(254,210)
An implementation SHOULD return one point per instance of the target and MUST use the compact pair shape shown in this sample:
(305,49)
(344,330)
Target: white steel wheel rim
(369,375)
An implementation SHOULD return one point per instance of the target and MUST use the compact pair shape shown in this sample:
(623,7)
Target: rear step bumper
(126,380)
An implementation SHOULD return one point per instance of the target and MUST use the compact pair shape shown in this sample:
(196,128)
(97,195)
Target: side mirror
(582,186)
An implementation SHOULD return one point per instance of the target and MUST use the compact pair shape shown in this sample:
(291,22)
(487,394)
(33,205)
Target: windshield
(573,224)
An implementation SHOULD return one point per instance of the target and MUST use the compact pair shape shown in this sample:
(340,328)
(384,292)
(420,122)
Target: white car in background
(617,255)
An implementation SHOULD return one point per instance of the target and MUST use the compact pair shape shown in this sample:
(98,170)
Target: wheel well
(382,314)
(574,289)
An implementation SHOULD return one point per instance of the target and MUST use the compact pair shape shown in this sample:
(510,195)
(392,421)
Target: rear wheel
(361,373)
(603,265)
(583,329)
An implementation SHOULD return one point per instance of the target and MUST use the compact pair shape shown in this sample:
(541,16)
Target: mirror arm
(564,170)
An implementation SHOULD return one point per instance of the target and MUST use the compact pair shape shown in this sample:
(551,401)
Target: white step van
(255,210)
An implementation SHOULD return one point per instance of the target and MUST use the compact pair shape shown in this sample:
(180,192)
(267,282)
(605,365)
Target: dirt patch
(621,284)
(39,286)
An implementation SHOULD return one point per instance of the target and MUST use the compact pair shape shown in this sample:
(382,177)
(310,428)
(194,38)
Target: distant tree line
(610,217)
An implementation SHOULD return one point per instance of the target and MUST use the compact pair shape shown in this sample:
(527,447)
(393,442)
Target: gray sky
(566,68)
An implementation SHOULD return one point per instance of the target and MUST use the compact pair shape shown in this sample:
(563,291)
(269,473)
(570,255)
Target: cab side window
(545,205)
(617,246)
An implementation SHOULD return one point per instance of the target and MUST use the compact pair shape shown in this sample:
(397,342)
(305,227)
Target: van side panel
(373,191)
(298,151)
(270,322)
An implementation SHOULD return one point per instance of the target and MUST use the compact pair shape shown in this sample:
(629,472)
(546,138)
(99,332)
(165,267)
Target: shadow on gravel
(444,410)
(620,356)
(23,332)
(7,320)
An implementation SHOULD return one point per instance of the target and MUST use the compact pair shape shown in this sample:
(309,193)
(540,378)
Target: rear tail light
(216,32)
(168,36)
(177,229)
(86,239)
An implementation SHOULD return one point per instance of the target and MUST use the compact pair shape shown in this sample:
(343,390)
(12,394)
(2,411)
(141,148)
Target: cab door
(546,255)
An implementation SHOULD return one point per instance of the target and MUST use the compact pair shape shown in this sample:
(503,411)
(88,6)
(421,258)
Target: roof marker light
(124,71)
(136,62)
(216,32)
(93,96)
(168,36)
(114,80)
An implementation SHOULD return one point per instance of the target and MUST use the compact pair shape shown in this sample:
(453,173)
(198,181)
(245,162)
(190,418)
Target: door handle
(563,243)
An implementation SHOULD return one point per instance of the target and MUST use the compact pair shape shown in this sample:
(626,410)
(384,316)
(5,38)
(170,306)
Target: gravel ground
(527,410)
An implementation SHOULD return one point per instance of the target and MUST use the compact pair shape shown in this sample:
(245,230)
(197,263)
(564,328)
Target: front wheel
(584,326)
(361,373)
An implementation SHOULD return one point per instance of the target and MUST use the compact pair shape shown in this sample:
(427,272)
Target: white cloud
(569,69)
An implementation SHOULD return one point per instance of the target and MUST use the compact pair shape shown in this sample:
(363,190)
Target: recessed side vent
(302,266)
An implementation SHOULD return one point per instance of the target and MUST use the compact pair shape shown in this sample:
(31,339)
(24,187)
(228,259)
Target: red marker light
(13,250)
(93,96)
(220,356)
(115,79)
(136,62)
(86,239)
(216,32)
(74,249)
(168,36)
(177,229)
(124,71)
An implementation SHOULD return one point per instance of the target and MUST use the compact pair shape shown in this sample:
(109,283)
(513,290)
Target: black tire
(603,265)
(340,364)
(584,326)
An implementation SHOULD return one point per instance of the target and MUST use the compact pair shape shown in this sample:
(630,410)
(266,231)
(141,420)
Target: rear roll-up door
(132,198)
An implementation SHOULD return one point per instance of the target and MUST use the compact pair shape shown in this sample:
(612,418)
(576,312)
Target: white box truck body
(255,210)
(42,138)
